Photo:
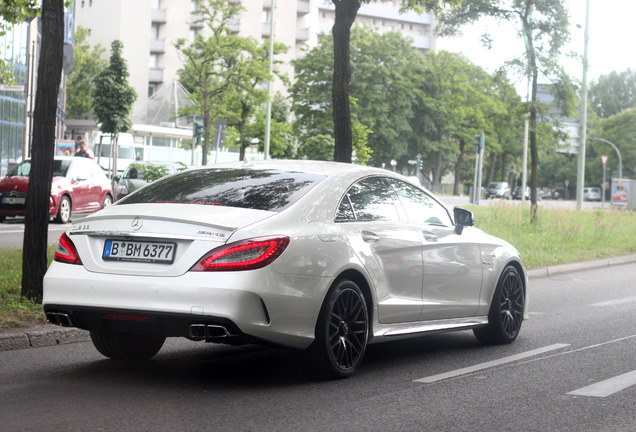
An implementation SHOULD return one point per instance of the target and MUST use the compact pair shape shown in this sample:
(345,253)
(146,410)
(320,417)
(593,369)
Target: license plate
(139,251)
(13,200)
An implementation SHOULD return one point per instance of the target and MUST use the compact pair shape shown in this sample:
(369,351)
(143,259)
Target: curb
(41,336)
(48,334)
(547,272)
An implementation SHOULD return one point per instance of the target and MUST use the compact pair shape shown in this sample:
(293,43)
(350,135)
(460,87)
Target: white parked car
(318,256)
(592,194)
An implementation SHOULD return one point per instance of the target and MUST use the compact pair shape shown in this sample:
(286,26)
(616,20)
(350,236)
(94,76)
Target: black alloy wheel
(506,310)
(341,332)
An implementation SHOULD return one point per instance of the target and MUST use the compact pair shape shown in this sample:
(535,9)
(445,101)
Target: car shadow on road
(211,366)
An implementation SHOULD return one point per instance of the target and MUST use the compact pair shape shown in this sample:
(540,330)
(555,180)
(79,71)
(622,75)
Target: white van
(126,152)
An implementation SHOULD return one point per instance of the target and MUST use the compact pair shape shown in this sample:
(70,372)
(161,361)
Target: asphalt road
(12,232)
(572,369)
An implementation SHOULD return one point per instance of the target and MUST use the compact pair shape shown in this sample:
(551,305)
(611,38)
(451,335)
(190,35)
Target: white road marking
(607,387)
(504,360)
(615,302)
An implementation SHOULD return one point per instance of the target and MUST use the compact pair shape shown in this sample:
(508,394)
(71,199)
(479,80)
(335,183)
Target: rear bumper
(261,304)
(215,329)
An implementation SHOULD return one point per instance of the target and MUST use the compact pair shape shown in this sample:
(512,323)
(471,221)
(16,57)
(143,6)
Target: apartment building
(150,28)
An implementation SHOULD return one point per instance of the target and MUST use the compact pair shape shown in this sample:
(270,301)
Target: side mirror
(463,218)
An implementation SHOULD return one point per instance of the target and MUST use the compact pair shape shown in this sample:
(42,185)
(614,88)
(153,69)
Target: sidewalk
(47,334)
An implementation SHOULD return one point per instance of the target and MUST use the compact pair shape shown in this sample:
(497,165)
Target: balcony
(195,21)
(267,4)
(302,34)
(157,46)
(158,16)
(302,7)
(265,30)
(155,75)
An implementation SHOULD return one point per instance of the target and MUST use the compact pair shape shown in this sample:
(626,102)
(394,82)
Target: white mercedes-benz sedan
(319,256)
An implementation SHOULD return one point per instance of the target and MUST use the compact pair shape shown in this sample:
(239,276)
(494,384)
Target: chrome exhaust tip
(208,331)
(59,318)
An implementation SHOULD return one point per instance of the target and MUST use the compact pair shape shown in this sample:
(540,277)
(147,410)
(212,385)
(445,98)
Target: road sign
(12,88)
(604,159)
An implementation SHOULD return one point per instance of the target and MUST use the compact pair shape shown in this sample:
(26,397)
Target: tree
(13,12)
(613,93)
(543,25)
(346,11)
(619,129)
(384,69)
(317,147)
(87,63)
(282,142)
(245,94)
(203,73)
(34,259)
(224,72)
(113,97)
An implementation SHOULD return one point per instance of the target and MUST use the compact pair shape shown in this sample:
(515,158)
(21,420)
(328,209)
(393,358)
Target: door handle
(370,237)
(430,236)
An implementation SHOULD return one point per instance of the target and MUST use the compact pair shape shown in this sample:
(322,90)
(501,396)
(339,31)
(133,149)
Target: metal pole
(481,164)
(268,115)
(526,127)
(580,172)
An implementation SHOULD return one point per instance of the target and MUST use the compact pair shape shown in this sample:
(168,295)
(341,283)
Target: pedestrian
(84,151)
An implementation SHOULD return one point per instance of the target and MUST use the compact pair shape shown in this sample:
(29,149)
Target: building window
(152,89)
(152,61)
(192,35)
(154,31)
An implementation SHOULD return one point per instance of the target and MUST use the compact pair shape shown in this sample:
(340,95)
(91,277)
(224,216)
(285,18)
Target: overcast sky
(611,43)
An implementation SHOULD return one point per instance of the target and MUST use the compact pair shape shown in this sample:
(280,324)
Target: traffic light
(480,139)
(197,133)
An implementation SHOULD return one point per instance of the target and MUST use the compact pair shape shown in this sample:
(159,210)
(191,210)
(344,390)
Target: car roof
(325,168)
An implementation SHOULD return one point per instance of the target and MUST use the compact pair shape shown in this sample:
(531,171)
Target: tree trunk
(205,147)
(458,168)
(346,11)
(491,170)
(34,260)
(534,152)
(437,171)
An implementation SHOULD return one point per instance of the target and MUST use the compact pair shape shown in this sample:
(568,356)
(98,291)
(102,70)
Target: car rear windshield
(60,167)
(266,189)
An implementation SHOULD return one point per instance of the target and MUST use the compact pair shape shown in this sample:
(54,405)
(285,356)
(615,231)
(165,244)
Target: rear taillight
(66,251)
(243,255)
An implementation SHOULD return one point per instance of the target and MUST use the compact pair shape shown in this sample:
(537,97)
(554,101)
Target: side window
(420,207)
(368,200)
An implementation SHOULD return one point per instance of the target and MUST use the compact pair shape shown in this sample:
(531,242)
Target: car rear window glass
(60,167)
(266,189)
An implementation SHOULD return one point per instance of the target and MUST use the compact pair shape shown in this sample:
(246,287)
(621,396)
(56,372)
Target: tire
(126,346)
(64,211)
(342,332)
(108,201)
(506,310)
(2,219)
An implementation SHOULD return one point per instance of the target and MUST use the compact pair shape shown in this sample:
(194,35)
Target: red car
(79,186)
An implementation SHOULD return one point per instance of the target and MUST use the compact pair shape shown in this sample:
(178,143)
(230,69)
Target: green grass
(558,237)
(15,310)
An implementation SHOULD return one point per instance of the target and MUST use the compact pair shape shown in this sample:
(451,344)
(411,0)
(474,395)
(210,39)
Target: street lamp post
(580,172)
